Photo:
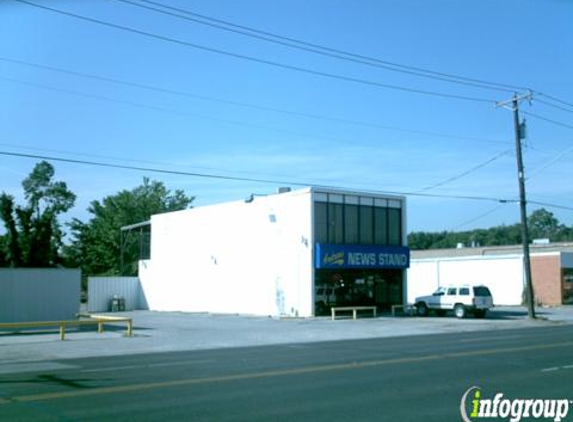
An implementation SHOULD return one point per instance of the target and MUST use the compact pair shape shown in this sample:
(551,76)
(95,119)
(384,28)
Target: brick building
(500,268)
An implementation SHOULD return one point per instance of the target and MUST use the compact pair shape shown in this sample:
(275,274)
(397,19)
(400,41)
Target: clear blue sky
(233,121)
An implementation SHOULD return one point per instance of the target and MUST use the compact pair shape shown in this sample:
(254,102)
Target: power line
(96,156)
(550,162)
(140,161)
(498,207)
(547,103)
(177,112)
(252,30)
(545,204)
(20,146)
(479,217)
(258,180)
(465,173)
(229,121)
(554,99)
(232,102)
(315,48)
(235,178)
(258,60)
(555,122)
(390,65)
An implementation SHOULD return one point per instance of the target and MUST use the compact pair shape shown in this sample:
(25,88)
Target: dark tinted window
(394,226)
(366,225)
(464,291)
(335,223)
(351,224)
(452,291)
(481,291)
(381,226)
(357,220)
(321,222)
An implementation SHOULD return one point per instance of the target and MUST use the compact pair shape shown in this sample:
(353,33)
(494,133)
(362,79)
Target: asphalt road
(418,378)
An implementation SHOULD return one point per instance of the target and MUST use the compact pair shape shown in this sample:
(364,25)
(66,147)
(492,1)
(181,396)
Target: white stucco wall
(503,275)
(252,258)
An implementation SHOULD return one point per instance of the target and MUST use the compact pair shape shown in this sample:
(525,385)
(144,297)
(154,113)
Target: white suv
(461,299)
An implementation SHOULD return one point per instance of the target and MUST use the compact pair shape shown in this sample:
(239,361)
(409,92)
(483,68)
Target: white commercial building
(500,268)
(294,253)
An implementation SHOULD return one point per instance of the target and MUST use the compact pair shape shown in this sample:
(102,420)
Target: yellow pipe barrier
(63,325)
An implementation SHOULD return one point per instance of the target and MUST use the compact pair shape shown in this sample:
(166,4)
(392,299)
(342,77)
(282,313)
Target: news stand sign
(361,257)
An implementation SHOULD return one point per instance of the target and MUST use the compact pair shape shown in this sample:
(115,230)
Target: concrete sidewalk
(171,331)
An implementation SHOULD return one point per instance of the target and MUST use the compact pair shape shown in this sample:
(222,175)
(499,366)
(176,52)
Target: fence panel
(101,290)
(39,294)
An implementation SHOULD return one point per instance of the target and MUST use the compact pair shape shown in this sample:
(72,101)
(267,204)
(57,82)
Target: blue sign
(361,256)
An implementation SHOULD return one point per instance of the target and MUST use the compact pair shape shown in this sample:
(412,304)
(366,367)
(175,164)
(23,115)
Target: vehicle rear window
(481,291)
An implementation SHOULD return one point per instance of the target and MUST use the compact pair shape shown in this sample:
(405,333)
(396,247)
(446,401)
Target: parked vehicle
(462,299)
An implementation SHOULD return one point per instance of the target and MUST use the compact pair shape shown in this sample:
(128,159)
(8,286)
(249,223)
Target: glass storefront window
(351,224)
(380,226)
(568,286)
(357,220)
(380,288)
(321,222)
(366,225)
(394,227)
(335,223)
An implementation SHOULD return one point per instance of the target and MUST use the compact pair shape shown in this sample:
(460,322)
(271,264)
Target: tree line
(34,236)
(542,224)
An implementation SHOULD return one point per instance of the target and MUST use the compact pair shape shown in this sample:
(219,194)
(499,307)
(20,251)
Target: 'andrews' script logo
(336,258)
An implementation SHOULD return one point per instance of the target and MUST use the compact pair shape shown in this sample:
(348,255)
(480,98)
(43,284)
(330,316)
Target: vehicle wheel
(480,313)
(422,309)
(460,311)
(441,312)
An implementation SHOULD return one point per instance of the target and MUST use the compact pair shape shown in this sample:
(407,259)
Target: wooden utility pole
(519,136)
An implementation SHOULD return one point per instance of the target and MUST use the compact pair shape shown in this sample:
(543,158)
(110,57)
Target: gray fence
(39,294)
(101,290)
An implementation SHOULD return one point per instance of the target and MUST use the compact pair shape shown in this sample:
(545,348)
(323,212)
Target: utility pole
(519,136)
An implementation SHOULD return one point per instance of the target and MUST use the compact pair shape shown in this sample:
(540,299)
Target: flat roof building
(295,253)
(500,268)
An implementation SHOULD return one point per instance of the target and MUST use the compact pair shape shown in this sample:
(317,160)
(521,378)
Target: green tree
(542,224)
(427,240)
(3,261)
(33,234)
(96,246)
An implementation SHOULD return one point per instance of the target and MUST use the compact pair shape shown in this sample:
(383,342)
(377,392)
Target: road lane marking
(22,367)
(557,368)
(273,373)
(486,339)
(150,365)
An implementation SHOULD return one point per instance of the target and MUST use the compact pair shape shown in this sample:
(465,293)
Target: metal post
(62,330)
(121,251)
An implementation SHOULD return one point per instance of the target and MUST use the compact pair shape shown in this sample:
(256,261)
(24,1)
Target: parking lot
(171,331)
